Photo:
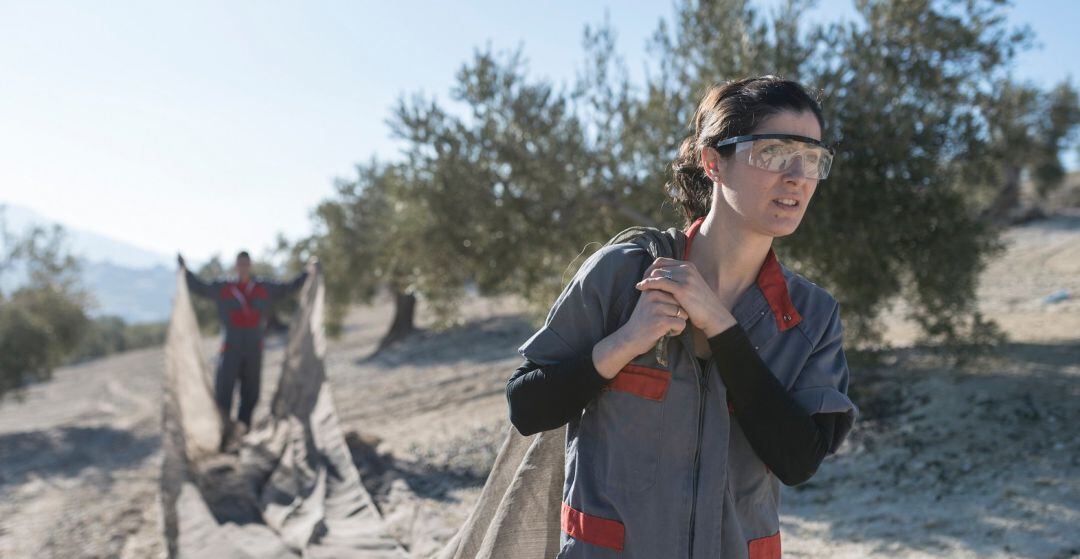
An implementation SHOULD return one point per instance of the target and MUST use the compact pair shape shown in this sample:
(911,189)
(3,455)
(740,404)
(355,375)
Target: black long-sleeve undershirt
(789,440)
(546,397)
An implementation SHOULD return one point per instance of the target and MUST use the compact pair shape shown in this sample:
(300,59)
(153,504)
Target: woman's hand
(663,309)
(681,280)
(657,314)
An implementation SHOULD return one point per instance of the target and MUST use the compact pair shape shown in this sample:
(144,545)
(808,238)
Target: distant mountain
(134,294)
(126,281)
(89,246)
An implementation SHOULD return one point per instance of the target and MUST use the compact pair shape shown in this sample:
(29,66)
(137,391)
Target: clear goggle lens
(779,154)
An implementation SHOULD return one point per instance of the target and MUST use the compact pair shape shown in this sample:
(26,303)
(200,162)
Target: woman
(682,456)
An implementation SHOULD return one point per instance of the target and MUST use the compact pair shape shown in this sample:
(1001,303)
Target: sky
(209,127)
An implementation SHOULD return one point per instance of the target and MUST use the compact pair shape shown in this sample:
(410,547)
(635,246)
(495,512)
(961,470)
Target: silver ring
(678,313)
(666,274)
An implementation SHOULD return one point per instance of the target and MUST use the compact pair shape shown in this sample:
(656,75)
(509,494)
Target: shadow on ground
(426,479)
(69,451)
(502,335)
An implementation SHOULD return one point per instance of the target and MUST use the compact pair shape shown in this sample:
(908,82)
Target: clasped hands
(678,291)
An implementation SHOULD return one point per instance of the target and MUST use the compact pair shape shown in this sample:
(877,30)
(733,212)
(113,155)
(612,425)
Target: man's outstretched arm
(277,289)
(196,284)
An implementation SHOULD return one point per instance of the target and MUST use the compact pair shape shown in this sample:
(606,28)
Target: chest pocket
(628,421)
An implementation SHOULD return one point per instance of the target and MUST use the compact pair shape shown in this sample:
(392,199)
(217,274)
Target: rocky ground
(972,459)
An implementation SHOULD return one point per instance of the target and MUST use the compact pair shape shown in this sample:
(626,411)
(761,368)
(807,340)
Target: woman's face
(761,200)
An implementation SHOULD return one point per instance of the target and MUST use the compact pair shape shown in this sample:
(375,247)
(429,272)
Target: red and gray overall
(243,309)
(661,461)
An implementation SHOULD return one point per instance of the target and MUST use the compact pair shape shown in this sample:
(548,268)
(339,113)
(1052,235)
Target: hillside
(124,280)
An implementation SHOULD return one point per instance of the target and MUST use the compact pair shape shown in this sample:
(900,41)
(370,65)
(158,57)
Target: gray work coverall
(242,308)
(657,465)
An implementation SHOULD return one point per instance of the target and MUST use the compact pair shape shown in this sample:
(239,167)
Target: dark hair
(728,110)
(243,254)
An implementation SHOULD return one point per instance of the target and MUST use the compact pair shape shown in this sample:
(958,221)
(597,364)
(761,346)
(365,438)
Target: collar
(770,280)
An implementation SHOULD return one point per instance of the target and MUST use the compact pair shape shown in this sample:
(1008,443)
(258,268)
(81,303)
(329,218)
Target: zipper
(703,389)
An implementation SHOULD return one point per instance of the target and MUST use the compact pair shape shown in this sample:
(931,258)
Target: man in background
(243,304)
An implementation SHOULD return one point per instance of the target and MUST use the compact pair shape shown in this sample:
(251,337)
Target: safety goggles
(777,153)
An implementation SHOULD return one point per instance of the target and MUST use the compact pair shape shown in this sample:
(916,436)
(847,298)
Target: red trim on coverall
(646,382)
(592,529)
(765,548)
